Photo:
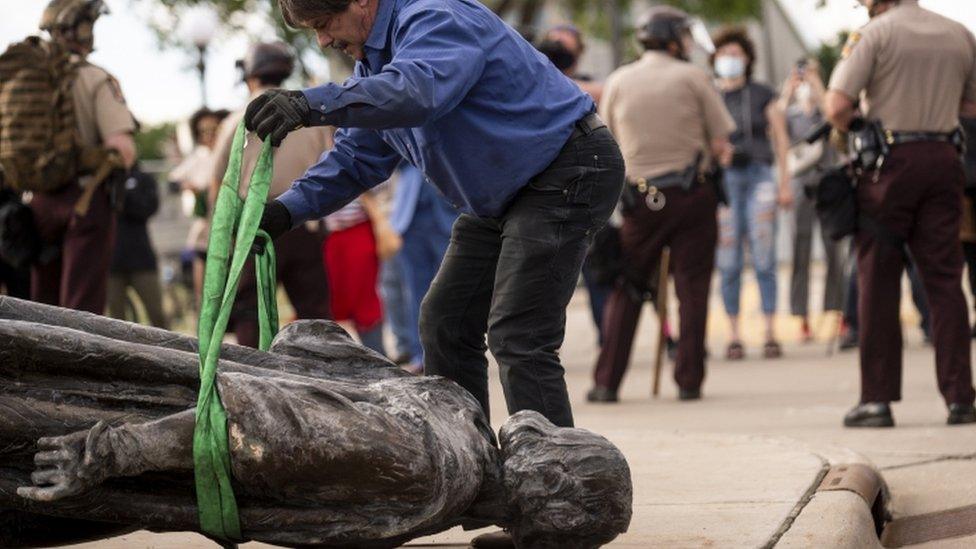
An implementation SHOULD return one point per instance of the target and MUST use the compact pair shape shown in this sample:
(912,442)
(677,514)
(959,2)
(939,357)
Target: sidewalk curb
(837,513)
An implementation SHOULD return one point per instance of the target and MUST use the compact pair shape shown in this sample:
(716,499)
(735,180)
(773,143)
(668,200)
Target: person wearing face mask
(669,201)
(564,46)
(913,73)
(754,191)
(800,99)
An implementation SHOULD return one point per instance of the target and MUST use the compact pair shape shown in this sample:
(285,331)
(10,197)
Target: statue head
(566,487)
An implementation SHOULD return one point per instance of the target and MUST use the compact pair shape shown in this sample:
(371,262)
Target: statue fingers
(53,457)
(49,493)
(50,443)
(45,477)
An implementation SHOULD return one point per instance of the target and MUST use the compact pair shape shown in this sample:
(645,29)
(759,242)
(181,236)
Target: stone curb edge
(845,506)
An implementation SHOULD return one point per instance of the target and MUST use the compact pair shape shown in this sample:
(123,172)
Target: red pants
(353,268)
(688,226)
(78,278)
(918,196)
(299,270)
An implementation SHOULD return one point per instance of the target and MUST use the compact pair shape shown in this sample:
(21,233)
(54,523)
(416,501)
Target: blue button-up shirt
(450,87)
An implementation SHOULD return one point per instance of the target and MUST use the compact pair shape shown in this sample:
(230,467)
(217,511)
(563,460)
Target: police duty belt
(651,187)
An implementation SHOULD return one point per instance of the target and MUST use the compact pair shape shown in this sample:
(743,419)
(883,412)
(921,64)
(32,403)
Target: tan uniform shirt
(914,66)
(663,112)
(298,151)
(100,108)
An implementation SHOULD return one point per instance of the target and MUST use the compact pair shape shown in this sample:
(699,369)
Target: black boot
(870,414)
(849,341)
(601,394)
(689,394)
(960,414)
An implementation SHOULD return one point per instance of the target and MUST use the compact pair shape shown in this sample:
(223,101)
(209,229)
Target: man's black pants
(512,277)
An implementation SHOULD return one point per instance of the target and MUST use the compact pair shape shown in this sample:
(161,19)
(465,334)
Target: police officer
(298,253)
(912,69)
(508,139)
(78,278)
(670,120)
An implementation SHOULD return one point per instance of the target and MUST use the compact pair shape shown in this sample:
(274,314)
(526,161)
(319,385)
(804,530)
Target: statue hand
(67,465)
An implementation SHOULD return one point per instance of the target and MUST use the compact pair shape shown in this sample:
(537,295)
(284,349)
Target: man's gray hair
(298,12)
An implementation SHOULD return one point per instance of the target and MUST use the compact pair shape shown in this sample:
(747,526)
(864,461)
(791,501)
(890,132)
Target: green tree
(721,11)
(524,13)
(829,54)
(150,140)
(604,19)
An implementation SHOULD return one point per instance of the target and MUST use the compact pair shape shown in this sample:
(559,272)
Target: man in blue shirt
(502,134)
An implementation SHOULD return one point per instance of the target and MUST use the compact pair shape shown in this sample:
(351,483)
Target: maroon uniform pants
(687,225)
(78,277)
(917,196)
(299,269)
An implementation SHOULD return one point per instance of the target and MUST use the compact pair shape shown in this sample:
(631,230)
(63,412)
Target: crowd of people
(711,157)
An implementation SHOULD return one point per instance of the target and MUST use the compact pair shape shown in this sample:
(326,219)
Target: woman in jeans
(754,191)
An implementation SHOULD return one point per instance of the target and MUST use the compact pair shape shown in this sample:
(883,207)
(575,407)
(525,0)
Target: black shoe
(870,414)
(960,414)
(689,394)
(601,394)
(493,540)
(849,341)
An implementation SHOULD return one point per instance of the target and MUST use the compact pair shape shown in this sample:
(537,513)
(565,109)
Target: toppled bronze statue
(331,444)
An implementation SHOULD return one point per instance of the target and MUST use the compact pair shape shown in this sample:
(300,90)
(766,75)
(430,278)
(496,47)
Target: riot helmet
(272,62)
(663,25)
(71,22)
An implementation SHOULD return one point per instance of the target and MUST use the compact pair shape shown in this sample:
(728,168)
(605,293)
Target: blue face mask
(727,66)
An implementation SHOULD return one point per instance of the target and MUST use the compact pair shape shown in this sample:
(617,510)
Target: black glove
(275,221)
(275,113)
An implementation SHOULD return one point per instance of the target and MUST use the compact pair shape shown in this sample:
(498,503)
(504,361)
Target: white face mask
(728,66)
(803,93)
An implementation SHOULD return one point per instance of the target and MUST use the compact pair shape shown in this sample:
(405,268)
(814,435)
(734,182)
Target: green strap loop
(211,456)
(265,267)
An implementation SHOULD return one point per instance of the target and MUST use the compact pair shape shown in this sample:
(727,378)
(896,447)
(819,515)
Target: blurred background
(173,57)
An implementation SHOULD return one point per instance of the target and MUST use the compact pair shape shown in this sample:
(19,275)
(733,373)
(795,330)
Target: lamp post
(199,28)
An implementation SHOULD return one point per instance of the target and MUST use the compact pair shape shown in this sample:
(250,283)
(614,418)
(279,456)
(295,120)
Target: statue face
(562,480)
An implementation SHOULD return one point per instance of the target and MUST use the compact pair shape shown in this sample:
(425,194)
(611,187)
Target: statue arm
(72,464)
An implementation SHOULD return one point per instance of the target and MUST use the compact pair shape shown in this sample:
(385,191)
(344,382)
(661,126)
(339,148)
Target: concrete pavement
(739,467)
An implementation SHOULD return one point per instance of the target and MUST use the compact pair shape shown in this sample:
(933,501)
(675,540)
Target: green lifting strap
(211,456)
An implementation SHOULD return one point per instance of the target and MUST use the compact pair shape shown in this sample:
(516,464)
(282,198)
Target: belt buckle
(655,199)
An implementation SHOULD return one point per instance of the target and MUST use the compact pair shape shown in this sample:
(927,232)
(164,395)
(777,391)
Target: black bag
(605,260)
(741,159)
(836,202)
(715,177)
(836,205)
(20,243)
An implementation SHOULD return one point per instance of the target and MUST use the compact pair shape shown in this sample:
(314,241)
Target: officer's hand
(275,221)
(275,113)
